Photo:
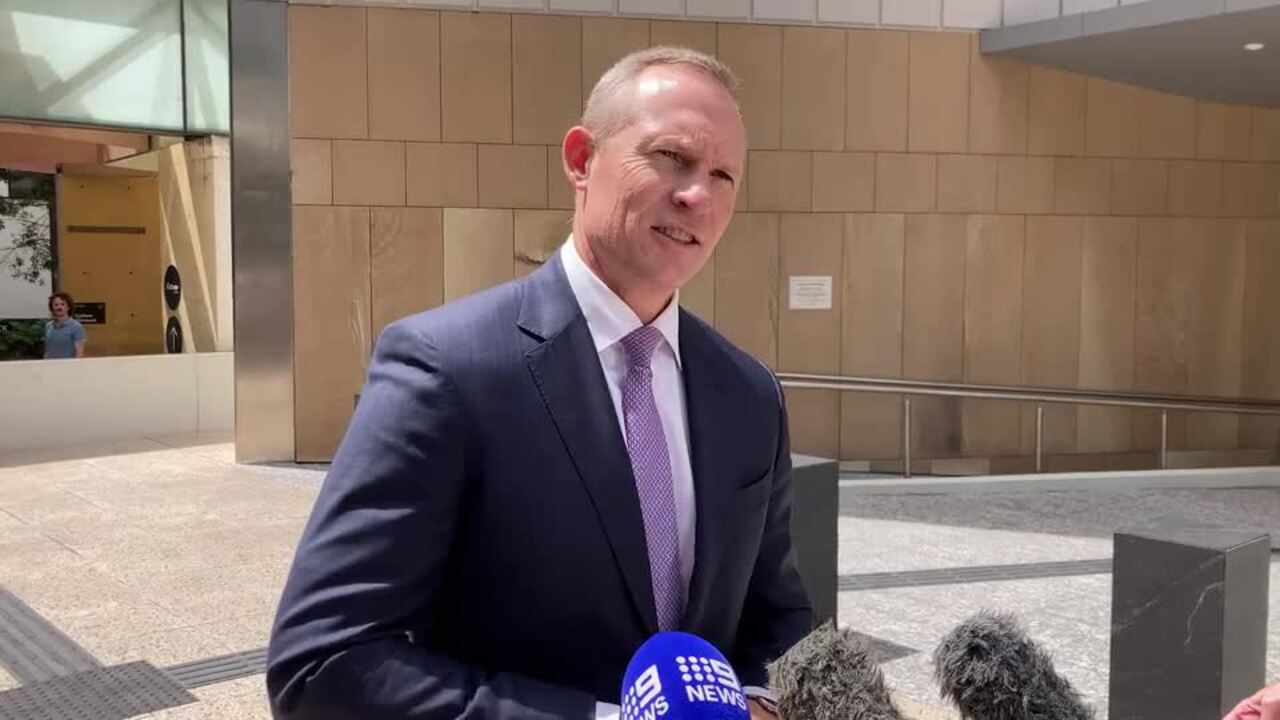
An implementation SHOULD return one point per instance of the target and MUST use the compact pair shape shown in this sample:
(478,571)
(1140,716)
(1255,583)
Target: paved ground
(167,552)
(1016,534)
(160,551)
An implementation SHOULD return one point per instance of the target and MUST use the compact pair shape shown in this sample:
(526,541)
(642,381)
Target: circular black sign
(172,287)
(173,336)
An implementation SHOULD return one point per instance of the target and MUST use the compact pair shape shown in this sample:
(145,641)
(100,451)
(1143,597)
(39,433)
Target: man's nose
(694,194)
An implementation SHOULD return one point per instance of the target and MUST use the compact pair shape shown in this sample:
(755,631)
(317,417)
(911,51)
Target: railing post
(1039,438)
(906,437)
(1164,439)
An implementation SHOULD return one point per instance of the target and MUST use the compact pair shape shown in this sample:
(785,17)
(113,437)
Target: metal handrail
(1038,395)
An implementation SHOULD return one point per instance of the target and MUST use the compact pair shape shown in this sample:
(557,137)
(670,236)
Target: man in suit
(540,476)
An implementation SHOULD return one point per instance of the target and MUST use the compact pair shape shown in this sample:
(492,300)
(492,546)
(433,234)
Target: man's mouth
(676,234)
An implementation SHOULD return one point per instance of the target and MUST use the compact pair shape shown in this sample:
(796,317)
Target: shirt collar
(609,318)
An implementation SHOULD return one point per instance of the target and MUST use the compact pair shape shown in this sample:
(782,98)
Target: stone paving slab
(972,574)
(243,699)
(873,544)
(1076,514)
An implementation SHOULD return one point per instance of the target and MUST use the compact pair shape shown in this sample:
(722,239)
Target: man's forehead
(656,79)
(651,83)
(698,110)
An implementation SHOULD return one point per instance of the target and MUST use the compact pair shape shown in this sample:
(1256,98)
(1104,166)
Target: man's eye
(672,154)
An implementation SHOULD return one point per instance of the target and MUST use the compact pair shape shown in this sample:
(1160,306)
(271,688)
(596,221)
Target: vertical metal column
(261,230)
(1039,438)
(906,437)
(1164,439)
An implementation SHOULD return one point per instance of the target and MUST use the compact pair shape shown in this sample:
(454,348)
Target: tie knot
(640,343)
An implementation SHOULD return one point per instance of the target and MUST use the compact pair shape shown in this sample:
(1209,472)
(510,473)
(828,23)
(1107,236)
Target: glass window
(208,67)
(85,61)
(117,63)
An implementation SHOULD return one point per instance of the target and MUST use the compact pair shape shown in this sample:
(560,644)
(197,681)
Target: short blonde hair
(605,114)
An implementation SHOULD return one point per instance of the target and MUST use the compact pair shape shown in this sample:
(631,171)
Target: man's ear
(577,149)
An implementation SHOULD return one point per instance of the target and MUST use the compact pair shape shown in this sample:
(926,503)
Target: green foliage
(30,256)
(21,339)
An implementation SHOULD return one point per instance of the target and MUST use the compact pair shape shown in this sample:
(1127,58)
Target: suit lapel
(710,409)
(565,366)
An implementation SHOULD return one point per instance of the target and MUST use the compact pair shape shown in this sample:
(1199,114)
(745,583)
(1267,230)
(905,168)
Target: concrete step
(1220,458)
(1066,462)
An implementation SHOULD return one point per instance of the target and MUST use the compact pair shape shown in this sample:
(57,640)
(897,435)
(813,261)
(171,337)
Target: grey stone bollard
(815,507)
(1188,621)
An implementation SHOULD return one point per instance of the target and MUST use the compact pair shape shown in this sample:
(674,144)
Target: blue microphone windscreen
(678,676)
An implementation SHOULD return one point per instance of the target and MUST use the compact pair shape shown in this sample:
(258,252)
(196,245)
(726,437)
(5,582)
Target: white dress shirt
(610,319)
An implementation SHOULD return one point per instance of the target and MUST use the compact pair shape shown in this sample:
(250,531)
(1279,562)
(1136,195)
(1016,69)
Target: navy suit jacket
(477,548)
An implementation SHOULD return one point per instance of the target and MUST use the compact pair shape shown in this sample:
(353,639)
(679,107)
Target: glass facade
(208,97)
(158,65)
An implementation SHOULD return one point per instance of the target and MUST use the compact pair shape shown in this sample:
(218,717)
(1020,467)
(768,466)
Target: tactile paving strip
(219,669)
(973,574)
(112,693)
(32,649)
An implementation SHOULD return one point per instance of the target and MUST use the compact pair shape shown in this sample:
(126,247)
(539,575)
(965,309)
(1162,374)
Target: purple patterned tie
(647,446)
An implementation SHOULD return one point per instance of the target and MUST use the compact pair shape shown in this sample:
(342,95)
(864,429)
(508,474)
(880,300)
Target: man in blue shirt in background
(63,335)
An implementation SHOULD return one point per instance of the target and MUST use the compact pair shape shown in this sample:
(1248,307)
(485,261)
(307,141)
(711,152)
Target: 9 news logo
(702,680)
(644,700)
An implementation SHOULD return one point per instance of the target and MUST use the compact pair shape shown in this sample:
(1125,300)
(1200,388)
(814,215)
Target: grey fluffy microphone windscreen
(991,670)
(830,676)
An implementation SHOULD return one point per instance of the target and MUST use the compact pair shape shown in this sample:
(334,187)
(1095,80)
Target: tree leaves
(29,256)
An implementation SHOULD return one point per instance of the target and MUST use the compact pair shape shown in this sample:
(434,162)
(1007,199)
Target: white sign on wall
(810,292)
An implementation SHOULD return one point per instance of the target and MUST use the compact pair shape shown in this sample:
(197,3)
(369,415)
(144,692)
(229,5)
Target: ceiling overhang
(42,148)
(1193,48)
